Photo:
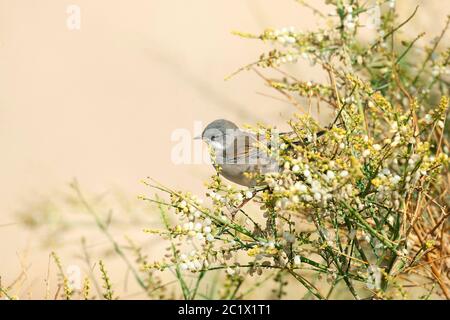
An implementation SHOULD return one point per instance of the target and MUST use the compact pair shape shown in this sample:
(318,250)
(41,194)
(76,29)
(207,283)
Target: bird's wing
(246,146)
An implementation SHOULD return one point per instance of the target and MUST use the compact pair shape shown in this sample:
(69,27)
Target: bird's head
(219,133)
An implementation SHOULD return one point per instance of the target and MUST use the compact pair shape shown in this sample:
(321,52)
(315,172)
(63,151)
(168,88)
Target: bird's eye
(213,138)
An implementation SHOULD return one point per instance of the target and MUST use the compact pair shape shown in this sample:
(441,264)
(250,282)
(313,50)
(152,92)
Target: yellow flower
(376,182)
(253,251)
(271,251)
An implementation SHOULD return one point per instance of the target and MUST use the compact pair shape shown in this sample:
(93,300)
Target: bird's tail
(318,134)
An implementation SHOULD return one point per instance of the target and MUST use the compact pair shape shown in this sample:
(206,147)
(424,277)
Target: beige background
(100,104)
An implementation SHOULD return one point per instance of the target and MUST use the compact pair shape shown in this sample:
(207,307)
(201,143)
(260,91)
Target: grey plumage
(236,152)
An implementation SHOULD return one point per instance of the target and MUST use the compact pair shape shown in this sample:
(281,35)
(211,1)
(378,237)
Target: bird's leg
(238,208)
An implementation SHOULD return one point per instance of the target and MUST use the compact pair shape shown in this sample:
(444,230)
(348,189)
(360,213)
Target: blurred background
(99,104)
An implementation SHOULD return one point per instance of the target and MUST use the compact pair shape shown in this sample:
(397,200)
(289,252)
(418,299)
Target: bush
(358,210)
(364,205)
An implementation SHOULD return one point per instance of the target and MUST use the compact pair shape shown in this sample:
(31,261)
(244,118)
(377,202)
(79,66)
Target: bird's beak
(198,138)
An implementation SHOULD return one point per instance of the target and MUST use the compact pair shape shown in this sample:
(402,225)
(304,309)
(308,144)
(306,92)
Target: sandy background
(100,104)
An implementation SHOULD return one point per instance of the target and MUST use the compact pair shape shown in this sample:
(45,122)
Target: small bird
(236,152)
